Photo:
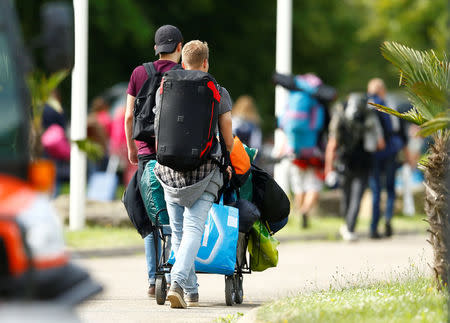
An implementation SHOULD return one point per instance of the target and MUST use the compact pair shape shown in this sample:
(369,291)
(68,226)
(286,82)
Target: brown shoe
(151,291)
(192,299)
(176,296)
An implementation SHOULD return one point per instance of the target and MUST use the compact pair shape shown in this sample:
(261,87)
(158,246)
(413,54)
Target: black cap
(167,38)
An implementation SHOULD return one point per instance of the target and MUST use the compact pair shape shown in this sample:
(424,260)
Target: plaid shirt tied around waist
(178,179)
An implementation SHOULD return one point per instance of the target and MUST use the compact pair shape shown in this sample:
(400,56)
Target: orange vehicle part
(15,195)
(12,237)
(57,261)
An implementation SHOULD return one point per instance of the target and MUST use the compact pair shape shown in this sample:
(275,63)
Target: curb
(132,250)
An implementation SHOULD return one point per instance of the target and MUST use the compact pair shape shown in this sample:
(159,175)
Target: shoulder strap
(150,69)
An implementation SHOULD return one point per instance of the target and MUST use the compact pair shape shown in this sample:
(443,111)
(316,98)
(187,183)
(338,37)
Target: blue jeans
(151,257)
(187,226)
(382,168)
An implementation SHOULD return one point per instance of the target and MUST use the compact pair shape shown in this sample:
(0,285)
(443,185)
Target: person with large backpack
(302,122)
(139,120)
(191,109)
(385,162)
(354,135)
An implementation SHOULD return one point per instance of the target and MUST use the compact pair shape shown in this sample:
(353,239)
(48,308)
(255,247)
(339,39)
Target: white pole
(283,64)
(79,117)
(283,50)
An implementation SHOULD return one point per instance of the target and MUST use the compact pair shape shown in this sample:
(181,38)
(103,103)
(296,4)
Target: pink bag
(55,142)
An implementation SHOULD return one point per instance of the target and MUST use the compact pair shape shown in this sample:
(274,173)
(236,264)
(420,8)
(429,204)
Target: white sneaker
(347,235)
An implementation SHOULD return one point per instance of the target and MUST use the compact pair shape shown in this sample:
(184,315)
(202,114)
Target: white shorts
(292,178)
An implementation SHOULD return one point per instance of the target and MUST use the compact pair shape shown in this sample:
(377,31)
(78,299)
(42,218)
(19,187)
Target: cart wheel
(160,289)
(239,291)
(229,290)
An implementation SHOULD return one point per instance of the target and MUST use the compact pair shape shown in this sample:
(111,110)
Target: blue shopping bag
(217,253)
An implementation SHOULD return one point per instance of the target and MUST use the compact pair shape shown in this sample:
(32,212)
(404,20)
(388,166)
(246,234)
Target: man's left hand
(229,172)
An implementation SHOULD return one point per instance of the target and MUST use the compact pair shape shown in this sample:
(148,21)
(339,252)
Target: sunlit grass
(413,300)
(95,237)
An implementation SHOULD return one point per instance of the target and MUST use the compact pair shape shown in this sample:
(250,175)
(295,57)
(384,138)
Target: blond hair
(245,108)
(375,85)
(194,53)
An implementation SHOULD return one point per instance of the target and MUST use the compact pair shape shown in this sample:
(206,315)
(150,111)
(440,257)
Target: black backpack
(269,197)
(187,119)
(350,133)
(143,117)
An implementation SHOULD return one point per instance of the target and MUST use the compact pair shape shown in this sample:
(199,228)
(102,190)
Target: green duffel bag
(262,248)
(153,195)
(246,190)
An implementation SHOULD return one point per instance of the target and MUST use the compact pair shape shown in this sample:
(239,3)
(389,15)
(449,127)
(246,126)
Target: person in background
(99,125)
(355,134)
(302,121)
(54,127)
(412,153)
(168,45)
(384,162)
(100,110)
(246,121)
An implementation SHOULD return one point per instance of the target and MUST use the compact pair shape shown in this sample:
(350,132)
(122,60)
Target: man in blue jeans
(384,163)
(190,195)
(168,45)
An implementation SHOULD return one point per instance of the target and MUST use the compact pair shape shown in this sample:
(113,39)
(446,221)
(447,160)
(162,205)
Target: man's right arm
(132,149)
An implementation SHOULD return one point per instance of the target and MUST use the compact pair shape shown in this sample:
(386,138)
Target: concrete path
(303,267)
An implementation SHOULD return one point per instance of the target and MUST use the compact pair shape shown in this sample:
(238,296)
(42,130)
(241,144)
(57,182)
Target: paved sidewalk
(302,267)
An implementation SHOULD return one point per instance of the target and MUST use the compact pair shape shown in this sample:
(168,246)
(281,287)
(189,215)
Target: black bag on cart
(269,197)
(248,214)
(136,209)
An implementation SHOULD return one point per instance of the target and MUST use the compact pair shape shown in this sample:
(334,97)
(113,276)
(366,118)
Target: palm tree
(426,78)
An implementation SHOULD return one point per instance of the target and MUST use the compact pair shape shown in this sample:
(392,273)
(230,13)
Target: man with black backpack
(190,110)
(355,134)
(139,119)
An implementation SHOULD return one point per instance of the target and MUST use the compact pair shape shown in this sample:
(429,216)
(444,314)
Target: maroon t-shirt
(137,79)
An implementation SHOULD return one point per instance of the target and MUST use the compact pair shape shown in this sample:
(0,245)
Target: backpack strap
(150,69)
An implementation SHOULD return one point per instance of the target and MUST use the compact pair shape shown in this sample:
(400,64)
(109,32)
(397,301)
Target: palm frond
(41,87)
(441,122)
(412,115)
(424,75)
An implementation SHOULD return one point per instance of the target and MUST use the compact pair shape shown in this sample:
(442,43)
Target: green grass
(413,300)
(327,228)
(95,237)
(230,318)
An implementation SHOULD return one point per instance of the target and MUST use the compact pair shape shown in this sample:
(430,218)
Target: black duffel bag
(269,197)
(135,207)
(248,214)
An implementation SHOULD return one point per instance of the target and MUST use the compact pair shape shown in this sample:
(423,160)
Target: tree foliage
(338,40)
(426,79)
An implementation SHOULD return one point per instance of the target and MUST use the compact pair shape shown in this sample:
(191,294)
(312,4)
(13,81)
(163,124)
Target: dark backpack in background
(350,134)
(143,116)
(187,119)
